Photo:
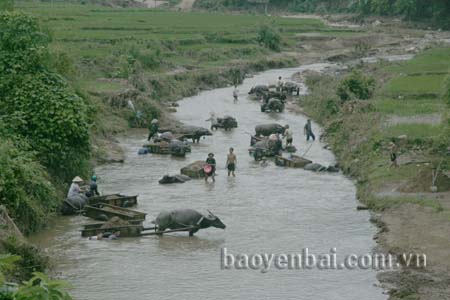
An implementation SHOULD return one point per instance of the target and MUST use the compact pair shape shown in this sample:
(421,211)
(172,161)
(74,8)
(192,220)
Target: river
(267,209)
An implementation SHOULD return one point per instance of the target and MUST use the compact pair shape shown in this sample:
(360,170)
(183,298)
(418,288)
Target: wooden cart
(294,161)
(114,199)
(132,230)
(110,211)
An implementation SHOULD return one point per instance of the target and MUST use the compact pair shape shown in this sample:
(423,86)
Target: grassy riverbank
(161,56)
(409,107)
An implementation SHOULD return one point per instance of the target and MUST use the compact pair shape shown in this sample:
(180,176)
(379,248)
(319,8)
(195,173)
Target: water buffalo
(259,90)
(266,147)
(194,132)
(74,204)
(227,122)
(268,129)
(290,87)
(182,218)
(272,105)
(174,179)
(179,148)
(165,136)
(273,94)
(320,168)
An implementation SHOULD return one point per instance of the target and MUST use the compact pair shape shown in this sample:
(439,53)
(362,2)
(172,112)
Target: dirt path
(186,4)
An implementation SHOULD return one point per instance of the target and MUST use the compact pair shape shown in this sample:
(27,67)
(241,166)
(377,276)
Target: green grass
(101,86)
(435,60)
(101,40)
(408,107)
(382,203)
(418,131)
(416,85)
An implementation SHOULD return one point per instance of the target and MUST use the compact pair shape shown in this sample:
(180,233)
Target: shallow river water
(267,209)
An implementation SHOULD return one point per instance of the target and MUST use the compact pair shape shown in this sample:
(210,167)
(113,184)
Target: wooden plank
(125,231)
(111,211)
(168,231)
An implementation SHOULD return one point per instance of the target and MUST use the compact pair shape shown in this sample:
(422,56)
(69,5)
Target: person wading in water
(231,162)
(235,94)
(211,162)
(212,119)
(308,131)
(288,135)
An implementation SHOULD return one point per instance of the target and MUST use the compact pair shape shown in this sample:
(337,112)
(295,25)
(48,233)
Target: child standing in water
(231,162)
(235,94)
(212,163)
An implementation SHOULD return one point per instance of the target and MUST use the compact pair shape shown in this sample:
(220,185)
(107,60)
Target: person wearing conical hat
(75,188)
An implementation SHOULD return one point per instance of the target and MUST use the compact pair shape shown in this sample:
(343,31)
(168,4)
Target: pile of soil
(115,222)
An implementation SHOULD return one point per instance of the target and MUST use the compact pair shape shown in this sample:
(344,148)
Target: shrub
(269,37)
(356,85)
(37,104)
(24,187)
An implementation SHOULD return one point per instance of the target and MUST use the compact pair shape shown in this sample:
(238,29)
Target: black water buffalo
(259,90)
(273,104)
(182,218)
(227,123)
(194,132)
(265,148)
(268,129)
(290,88)
(179,148)
(74,204)
(174,179)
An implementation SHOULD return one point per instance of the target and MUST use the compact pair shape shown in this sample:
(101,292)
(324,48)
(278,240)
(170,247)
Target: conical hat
(77,179)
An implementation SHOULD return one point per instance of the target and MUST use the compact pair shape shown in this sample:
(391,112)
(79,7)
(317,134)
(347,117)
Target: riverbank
(116,63)
(407,107)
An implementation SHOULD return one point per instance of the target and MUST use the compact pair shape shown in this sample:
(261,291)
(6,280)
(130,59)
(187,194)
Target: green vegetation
(43,124)
(360,131)
(416,85)
(269,38)
(6,5)
(407,107)
(112,43)
(25,187)
(356,86)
